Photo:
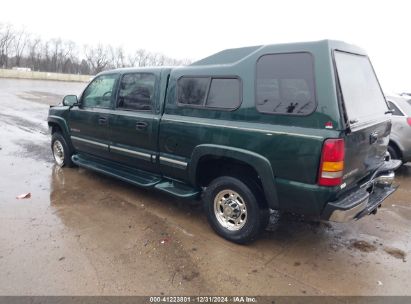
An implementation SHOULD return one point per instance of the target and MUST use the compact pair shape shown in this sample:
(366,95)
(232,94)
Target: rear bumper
(366,199)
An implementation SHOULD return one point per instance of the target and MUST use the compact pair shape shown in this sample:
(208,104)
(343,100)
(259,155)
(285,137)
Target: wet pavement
(82,233)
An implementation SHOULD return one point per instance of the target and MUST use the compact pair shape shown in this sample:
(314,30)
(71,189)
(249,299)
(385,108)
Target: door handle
(102,120)
(141,125)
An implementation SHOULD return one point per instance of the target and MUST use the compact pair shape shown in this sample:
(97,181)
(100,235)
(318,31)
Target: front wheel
(61,151)
(233,209)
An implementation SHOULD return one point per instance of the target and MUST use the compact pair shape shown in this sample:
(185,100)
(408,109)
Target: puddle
(363,246)
(396,253)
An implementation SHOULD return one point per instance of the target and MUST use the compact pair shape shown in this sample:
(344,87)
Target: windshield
(361,92)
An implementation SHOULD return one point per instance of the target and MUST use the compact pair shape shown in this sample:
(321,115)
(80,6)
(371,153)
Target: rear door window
(136,92)
(285,84)
(362,95)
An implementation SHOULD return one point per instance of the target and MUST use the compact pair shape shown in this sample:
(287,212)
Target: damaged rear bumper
(366,199)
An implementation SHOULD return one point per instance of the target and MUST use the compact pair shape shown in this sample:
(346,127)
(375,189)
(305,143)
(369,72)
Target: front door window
(101,92)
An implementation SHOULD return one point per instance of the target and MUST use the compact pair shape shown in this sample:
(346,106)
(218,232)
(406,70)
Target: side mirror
(70,100)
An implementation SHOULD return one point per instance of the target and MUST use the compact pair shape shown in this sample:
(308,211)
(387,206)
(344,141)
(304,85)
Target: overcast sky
(197,28)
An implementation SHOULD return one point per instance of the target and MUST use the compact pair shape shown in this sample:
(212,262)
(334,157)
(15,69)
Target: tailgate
(366,113)
(365,150)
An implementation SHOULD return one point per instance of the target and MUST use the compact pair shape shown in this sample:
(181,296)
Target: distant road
(45,92)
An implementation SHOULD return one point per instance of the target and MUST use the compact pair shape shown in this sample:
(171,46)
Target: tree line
(19,48)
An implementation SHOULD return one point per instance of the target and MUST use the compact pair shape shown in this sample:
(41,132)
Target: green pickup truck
(300,127)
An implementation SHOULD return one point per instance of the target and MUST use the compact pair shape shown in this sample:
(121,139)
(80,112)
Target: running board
(178,189)
(132,176)
(136,177)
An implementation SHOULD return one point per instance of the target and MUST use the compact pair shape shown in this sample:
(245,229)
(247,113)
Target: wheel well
(396,148)
(211,167)
(55,128)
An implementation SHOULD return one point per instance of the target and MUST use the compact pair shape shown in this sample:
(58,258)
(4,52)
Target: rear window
(361,91)
(285,84)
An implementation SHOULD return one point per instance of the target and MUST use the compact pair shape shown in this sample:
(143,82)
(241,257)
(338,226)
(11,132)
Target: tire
(61,151)
(224,202)
(393,152)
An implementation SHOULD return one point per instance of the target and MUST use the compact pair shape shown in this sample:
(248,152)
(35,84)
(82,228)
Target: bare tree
(117,57)
(68,57)
(97,58)
(139,58)
(46,56)
(57,55)
(20,41)
(6,39)
(84,68)
(155,59)
(34,54)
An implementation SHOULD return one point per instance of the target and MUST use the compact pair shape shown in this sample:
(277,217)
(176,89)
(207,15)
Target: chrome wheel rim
(58,152)
(230,210)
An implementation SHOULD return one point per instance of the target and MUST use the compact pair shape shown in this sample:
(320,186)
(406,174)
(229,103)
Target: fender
(61,122)
(258,162)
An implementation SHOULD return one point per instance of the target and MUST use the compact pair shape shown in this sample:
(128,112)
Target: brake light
(332,162)
(409,121)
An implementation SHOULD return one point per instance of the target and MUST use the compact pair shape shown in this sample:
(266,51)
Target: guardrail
(6,73)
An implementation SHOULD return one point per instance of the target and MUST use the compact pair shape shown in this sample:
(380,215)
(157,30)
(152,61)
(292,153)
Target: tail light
(332,162)
(409,121)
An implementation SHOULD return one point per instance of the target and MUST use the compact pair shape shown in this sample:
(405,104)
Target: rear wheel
(61,151)
(393,152)
(233,209)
